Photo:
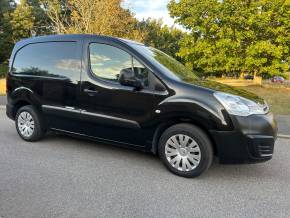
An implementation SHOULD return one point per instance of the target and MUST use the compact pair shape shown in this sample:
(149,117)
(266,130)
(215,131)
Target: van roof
(73,37)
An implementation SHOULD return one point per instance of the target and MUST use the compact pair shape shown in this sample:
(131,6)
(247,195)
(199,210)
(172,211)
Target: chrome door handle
(91,92)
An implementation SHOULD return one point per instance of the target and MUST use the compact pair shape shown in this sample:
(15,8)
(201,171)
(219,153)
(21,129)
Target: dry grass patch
(277,98)
(2,86)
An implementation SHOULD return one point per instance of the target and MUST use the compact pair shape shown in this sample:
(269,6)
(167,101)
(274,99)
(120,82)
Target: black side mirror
(159,87)
(127,78)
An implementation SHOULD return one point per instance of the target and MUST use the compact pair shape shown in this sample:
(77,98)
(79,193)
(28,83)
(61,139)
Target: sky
(150,8)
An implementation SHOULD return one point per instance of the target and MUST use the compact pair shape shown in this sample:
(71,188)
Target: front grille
(261,146)
(265,150)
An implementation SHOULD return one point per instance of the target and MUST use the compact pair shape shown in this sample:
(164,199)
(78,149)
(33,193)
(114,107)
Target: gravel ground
(283,124)
(2,100)
(65,177)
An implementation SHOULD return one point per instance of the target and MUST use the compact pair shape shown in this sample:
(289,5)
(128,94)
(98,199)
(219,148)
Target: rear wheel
(29,124)
(185,150)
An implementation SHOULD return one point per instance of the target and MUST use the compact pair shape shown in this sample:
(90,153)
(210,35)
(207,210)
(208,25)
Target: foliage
(22,21)
(3,69)
(18,21)
(58,14)
(6,43)
(235,36)
(41,21)
(105,17)
(161,36)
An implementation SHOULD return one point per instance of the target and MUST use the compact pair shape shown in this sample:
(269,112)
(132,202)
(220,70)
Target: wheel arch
(19,104)
(178,120)
(20,97)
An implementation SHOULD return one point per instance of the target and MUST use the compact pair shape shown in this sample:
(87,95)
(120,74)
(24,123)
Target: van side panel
(46,75)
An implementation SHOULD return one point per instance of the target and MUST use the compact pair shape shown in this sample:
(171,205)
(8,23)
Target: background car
(278,79)
(249,77)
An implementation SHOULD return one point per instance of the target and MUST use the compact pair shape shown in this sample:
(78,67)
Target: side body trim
(47,108)
(117,120)
(99,139)
(96,117)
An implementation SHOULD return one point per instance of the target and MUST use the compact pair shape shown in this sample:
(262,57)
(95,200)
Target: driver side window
(107,62)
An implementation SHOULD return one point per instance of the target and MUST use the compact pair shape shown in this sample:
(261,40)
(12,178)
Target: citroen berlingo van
(125,93)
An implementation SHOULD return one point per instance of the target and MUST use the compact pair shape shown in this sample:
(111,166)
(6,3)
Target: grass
(277,98)
(2,86)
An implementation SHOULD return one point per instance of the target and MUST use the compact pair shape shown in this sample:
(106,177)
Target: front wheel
(29,124)
(185,150)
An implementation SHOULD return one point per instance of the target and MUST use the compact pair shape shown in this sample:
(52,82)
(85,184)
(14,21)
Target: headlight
(240,106)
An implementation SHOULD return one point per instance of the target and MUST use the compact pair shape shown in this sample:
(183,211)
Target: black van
(125,93)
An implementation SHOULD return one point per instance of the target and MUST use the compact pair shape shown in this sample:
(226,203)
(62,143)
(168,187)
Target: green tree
(18,21)
(58,14)
(6,43)
(22,21)
(160,36)
(234,36)
(41,24)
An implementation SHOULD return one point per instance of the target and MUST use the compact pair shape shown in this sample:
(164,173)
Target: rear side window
(50,59)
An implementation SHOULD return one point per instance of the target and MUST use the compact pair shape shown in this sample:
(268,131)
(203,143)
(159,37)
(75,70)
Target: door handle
(91,92)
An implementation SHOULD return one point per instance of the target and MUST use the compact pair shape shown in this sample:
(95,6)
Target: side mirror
(127,78)
(159,87)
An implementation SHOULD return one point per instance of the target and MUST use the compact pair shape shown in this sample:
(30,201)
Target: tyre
(29,124)
(185,150)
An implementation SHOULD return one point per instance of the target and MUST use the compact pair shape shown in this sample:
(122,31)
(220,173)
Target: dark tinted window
(52,59)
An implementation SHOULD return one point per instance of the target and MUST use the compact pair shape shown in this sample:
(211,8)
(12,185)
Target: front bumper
(251,141)
(10,111)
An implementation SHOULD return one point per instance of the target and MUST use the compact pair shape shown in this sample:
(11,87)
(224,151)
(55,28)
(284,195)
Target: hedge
(3,70)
